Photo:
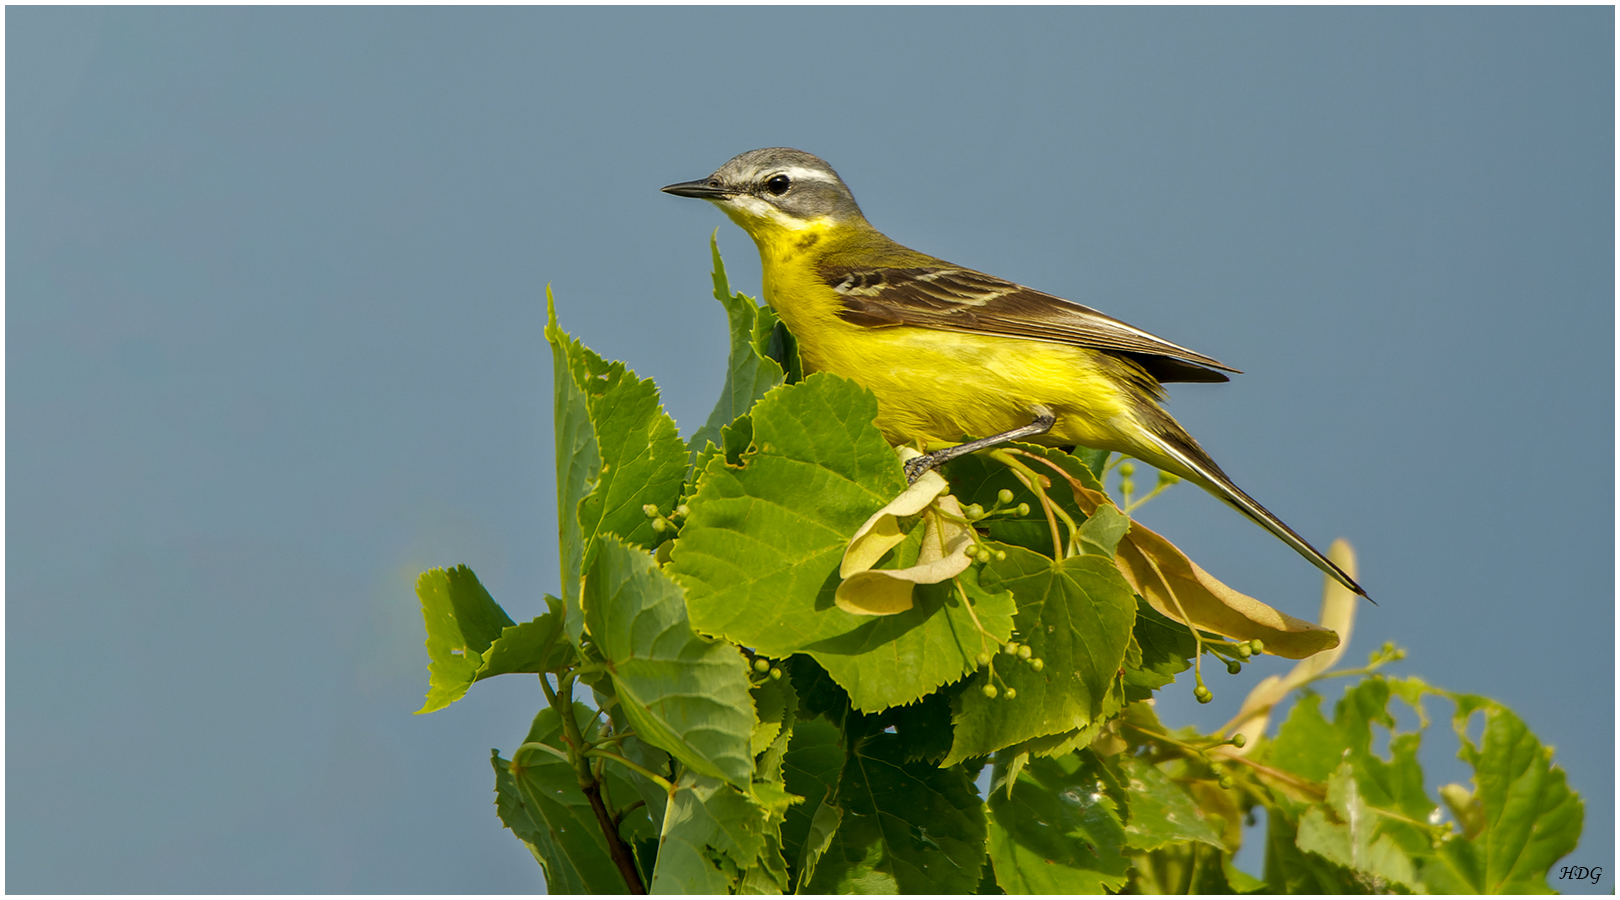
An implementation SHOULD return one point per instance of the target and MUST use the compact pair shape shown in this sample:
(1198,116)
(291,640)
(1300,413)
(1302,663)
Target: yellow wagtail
(951,352)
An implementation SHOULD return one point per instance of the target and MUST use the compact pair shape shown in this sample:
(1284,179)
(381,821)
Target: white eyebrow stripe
(800,173)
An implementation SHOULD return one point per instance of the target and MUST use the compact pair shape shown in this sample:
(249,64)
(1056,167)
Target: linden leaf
(1176,587)
(760,552)
(749,372)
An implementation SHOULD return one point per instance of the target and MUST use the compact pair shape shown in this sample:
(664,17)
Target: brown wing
(954,299)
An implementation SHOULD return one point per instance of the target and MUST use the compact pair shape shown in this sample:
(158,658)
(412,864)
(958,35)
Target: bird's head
(776,189)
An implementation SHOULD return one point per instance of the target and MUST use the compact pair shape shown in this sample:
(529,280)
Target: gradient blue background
(275,298)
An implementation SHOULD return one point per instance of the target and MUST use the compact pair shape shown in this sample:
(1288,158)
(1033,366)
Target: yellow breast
(939,385)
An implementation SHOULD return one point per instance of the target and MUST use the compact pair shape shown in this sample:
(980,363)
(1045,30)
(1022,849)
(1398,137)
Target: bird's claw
(916,466)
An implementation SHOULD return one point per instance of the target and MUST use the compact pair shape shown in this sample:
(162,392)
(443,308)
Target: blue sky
(274,306)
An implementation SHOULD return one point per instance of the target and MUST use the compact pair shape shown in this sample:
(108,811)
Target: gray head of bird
(776,188)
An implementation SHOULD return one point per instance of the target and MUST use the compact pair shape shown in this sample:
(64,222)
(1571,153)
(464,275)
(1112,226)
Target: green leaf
(814,758)
(924,727)
(1307,744)
(643,458)
(533,646)
(578,460)
(545,808)
(684,694)
(987,882)
(781,346)
(713,833)
(647,756)
(1346,831)
(1163,649)
(889,661)
(1095,461)
(1532,818)
(1290,870)
(760,551)
(1060,831)
(1076,616)
(1161,811)
(1528,816)
(906,827)
(1312,747)
(1187,868)
(823,828)
(736,438)
(818,694)
(777,704)
(769,874)
(462,622)
(749,371)
(617,451)
(1100,533)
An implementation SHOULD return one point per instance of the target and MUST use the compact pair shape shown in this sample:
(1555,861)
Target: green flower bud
(650,510)
(1010,648)
(682,510)
(983,659)
(1024,652)
(1012,693)
(1243,651)
(990,691)
(1233,667)
(974,511)
(776,674)
(1226,782)
(762,665)
(1257,646)
(1023,509)
(660,524)
(1037,664)
(1005,497)
(1239,740)
(1127,469)
(1202,694)
(1001,555)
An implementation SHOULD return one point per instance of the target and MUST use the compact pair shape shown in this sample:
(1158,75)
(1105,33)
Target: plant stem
(641,770)
(535,745)
(616,846)
(578,752)
(1030,479)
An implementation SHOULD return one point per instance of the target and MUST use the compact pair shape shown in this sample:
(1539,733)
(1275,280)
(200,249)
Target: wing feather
(956,299)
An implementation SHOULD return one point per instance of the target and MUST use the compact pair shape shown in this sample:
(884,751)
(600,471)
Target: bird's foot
(917,465)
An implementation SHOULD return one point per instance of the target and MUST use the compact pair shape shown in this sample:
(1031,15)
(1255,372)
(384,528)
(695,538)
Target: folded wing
(956,299)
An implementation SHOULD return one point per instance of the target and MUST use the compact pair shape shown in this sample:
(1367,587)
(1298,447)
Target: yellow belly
(942,386)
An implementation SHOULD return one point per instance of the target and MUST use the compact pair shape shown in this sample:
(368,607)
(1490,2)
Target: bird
(952,353)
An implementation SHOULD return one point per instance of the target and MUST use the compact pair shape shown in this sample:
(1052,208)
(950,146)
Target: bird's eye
(714,182)
(778,184)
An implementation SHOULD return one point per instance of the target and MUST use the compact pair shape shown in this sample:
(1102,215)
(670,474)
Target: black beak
(702,190)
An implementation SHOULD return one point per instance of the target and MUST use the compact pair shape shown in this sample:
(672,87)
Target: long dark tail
(1180,454)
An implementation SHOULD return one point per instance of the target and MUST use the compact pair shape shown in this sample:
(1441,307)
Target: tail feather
(1179,448)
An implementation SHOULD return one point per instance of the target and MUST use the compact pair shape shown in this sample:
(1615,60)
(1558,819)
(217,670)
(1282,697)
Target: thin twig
(1032,480)
(578,752)
(657,779)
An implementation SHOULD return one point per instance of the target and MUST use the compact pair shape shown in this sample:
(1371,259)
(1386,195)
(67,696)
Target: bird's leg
(915,467)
